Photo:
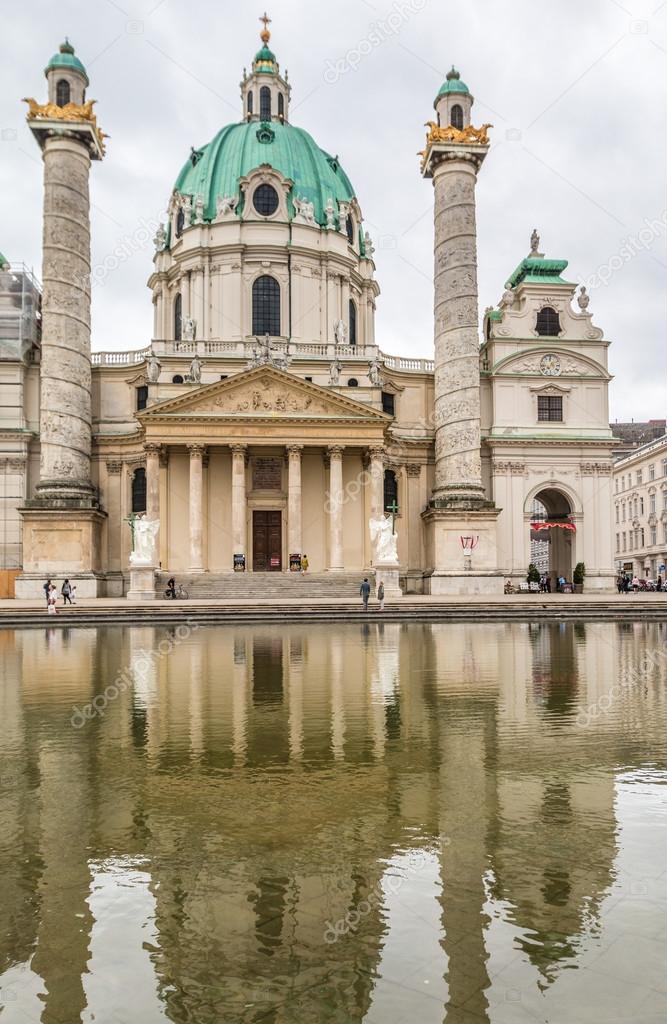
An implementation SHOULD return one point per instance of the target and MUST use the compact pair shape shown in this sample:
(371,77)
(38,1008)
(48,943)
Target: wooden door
(267,541)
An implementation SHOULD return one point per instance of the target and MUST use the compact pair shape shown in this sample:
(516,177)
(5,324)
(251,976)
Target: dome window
(457,116)
(265,103)
(178,320)
(265,200)
(62,93)
(281,105)
(349,228)
(249,103)
(548,322)
(266,307)
(352,317)
(180,222)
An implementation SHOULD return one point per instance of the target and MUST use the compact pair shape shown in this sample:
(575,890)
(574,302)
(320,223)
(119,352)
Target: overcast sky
(577,94)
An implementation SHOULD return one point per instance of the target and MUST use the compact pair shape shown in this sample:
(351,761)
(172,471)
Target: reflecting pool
(366,823)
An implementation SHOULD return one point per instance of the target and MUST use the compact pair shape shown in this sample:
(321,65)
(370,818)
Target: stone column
(152,481)
(335,507)
(458,470)
(196,507)
(376,469)
(239,541)
(65,375)
(294,539)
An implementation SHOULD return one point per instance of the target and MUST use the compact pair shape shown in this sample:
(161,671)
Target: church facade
(263,422)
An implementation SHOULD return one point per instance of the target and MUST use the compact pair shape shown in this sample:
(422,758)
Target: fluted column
(152,481)
(294,539)
(458,470)
(196,507)
(376,469)
(335,507)
(239,541)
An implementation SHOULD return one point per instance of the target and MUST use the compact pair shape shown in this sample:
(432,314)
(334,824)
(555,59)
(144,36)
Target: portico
(261,468)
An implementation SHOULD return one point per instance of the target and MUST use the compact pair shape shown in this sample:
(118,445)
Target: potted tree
(578,577)
(533,577)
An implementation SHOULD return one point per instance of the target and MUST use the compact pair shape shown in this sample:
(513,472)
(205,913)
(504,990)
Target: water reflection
(361,824)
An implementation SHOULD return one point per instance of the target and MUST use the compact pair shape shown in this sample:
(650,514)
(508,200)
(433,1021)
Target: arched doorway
(552,533)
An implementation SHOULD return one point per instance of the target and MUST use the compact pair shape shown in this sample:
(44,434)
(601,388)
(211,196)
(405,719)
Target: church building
(263,421)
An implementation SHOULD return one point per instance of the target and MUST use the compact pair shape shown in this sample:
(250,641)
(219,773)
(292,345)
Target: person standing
(47,591)
(365,591)
(66,591)
(171,588)
(52,600)
(72,593)
(381,596)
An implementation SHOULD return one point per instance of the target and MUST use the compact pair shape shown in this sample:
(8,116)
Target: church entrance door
(267,541)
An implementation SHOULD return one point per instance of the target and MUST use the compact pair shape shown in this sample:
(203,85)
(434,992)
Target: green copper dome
(453,83)
(65,58)
(265,61)
(240,148)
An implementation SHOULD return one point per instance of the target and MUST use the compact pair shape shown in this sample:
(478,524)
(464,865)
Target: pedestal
(388,574)
(61,543)
(454,572)
(142,583)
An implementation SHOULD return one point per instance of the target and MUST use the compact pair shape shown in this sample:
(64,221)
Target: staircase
(248,586)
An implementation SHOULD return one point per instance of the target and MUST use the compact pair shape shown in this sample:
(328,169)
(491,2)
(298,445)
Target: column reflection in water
(270,781)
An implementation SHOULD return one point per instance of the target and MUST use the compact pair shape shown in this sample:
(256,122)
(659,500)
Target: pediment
(262,393)
(529,363)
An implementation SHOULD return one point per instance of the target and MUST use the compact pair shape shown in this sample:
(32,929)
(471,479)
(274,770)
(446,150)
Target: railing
(245,348)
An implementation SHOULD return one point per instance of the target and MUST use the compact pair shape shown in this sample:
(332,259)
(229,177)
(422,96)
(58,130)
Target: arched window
(457,116)
(390,491)
(349,227)
(249,102)
(178,321)
(265,103)
(266,306)
(548,322)
(139,490)
(62,93)
(353,382)
(180,223)
(281,105)
(352,316)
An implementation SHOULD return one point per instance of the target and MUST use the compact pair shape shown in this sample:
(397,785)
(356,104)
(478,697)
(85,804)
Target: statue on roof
(534,243)
(583,298)
(508,297)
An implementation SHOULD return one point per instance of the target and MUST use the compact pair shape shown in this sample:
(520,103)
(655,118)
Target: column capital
(239,449)
(196,450)
(152,449)
(335,450)
(413,469)
(376,451)
(294,449)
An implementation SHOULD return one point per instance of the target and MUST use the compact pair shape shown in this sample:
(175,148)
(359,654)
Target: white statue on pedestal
(144,534)
(189,328)
(384,541)
(340,332)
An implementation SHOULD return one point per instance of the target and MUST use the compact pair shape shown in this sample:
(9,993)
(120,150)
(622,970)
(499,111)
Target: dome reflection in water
(373,823)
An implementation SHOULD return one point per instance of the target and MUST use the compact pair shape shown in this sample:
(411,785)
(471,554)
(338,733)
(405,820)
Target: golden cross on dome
(265,35)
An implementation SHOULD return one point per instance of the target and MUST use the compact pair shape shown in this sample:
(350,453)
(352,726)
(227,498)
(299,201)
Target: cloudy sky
(577,94)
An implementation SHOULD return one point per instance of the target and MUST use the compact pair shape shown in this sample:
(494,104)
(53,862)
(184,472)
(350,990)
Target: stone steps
(266,586)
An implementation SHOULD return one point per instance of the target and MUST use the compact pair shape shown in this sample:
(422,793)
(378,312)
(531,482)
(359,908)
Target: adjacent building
(640,511)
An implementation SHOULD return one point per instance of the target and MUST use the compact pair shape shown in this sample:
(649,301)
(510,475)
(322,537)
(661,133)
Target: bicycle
(180,593)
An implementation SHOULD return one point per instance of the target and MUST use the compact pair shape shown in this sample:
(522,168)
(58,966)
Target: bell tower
(265,92)
(460,520)
(61,524)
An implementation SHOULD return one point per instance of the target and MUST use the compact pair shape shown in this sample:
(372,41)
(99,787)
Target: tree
(533,573)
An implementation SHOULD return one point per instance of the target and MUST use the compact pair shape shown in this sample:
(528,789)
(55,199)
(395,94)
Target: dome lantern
(454,101)
(66,76)
(265,93)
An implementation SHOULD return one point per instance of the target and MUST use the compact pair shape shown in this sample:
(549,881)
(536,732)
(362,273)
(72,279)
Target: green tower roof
(65,58)
(239,148)
(536,270)
(3,262)
(453,83)
(265,61)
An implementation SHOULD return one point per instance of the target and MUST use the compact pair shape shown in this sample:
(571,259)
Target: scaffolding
(20,312)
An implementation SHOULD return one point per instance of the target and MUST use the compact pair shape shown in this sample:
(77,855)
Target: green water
(404,823)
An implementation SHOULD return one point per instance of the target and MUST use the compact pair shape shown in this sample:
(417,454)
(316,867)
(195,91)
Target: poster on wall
(239,563)
(295,563)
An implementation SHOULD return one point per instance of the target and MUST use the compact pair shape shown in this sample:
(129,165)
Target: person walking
(381,596)
(47,590)
(72,593)
(52,601)
(304,564)
(365,591)
(66,591)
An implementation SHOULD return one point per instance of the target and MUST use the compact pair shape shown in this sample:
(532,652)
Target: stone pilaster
(196,507)
(152,481)
(376,470)
(335,507)
(239,540)
(294,516)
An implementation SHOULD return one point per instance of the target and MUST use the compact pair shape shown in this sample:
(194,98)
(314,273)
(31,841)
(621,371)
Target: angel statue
(534,243)
(144,534)
(384,541)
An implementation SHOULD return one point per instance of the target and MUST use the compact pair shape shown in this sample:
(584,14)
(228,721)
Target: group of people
(365,592)
(68,593)
(625,584)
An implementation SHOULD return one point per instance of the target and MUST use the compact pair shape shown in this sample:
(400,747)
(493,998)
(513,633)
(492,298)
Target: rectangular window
(664,533)
(617,513)
(616,483)
(641,506)
(651,471)
(625,544)
(654,535)
(550,408)
(652,504)
(664,501)
(622,483)
(623,512)
(641,537)
(664,467)
(618,542)
(142,398)
(639,478)
(388,403)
